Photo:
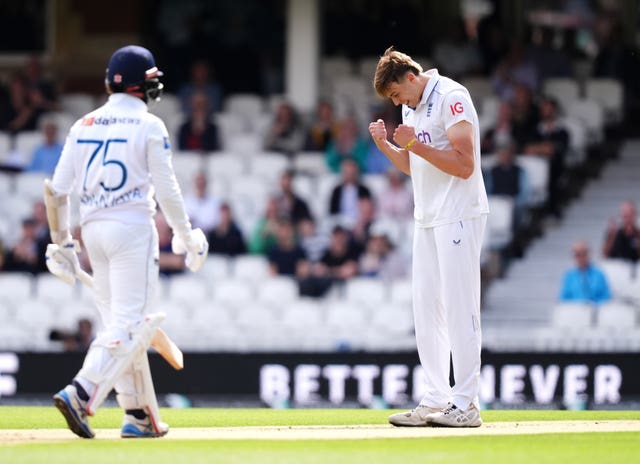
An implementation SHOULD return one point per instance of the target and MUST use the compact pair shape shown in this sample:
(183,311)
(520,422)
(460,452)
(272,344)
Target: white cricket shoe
(133,427)
(453,416)
(415,418)
(74,411)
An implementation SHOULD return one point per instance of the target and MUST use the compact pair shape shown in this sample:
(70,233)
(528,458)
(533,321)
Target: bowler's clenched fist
(403,135)
(378,130)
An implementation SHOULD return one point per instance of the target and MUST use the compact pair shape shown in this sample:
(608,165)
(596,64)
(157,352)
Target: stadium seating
(25,144)
(609,93)
(592,115)
(235,297)
(572,316)
(563,89)
(617,317)
(500,222)
(77,104)
(277,292)
(537,169)
(16,287)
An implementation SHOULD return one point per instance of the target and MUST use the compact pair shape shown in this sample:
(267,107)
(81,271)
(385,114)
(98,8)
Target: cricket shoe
(453,416)
(133,427)
(415,418)
(73,410)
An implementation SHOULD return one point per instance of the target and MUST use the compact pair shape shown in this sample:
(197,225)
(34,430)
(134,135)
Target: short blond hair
(392,67)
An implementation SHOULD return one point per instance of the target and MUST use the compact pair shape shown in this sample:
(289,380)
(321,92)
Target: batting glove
(62,260)
(196,247)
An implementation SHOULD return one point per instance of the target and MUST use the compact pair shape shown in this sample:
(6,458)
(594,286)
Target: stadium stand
(238,296)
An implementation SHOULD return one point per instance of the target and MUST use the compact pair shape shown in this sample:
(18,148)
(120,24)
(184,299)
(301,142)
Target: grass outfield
(567,448)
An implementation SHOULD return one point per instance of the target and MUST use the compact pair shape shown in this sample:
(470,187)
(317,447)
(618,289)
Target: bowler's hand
(378,131)
(403,135)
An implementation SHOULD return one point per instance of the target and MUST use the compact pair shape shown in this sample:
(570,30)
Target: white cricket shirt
(113,157)
(441,198)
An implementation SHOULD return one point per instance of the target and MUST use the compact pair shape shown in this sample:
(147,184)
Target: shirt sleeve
(63,179)
(456,107)
(168,193)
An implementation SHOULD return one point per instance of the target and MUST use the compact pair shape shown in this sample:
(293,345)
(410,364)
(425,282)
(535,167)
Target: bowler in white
(438,146)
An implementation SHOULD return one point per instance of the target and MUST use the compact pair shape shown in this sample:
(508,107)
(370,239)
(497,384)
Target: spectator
(515,68)
(168,262)
(366,217)
(226,238)
(27,255)
(202,206)
(20,113)
(264,234)
(501,133)
(345,195)
(289,203)
(201,82)
(313,243)
(551,140)
(199,133)
(43,91)
(286,257)
(46,156)
(348,144)
(381,259)
(323,128)
(286,134)
(39,215)
(338,263)
(509,179)
(76,341)
(340,260)
(585,282)
(623,240)
(396,200)
(525,116)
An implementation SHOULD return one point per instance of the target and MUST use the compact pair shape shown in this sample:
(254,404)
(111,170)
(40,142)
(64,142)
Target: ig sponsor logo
(456,108)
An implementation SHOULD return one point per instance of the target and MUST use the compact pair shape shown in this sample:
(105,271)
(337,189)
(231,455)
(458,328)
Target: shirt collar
(434,77)
(118,98)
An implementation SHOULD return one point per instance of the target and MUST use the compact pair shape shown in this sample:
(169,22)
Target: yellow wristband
(411,142)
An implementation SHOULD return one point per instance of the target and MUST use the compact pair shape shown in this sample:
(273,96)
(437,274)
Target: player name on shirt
(106,200)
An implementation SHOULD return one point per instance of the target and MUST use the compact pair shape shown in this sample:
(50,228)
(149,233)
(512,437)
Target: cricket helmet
(133,70)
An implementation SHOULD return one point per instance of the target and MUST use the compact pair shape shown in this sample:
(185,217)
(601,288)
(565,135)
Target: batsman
(117,159)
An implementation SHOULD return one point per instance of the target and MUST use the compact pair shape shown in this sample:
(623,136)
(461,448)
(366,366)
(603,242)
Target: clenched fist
(378,130)
(403,135)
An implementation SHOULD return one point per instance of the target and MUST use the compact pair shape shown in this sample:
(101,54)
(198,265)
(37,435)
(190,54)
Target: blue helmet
(133,70)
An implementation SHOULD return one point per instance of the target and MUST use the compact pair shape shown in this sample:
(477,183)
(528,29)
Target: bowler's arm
(459,160)
(398,156)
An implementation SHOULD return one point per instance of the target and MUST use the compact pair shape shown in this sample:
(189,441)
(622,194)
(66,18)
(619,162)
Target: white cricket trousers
(446,309)
(124,261)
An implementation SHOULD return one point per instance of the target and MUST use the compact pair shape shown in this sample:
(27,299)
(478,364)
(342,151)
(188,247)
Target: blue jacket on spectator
(587,285)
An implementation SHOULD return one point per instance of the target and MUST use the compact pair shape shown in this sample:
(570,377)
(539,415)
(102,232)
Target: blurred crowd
(351,234)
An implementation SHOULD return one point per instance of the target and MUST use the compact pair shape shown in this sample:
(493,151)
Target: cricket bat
(160,341)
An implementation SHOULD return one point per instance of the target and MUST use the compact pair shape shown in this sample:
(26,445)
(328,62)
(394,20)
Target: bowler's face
(404,92)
